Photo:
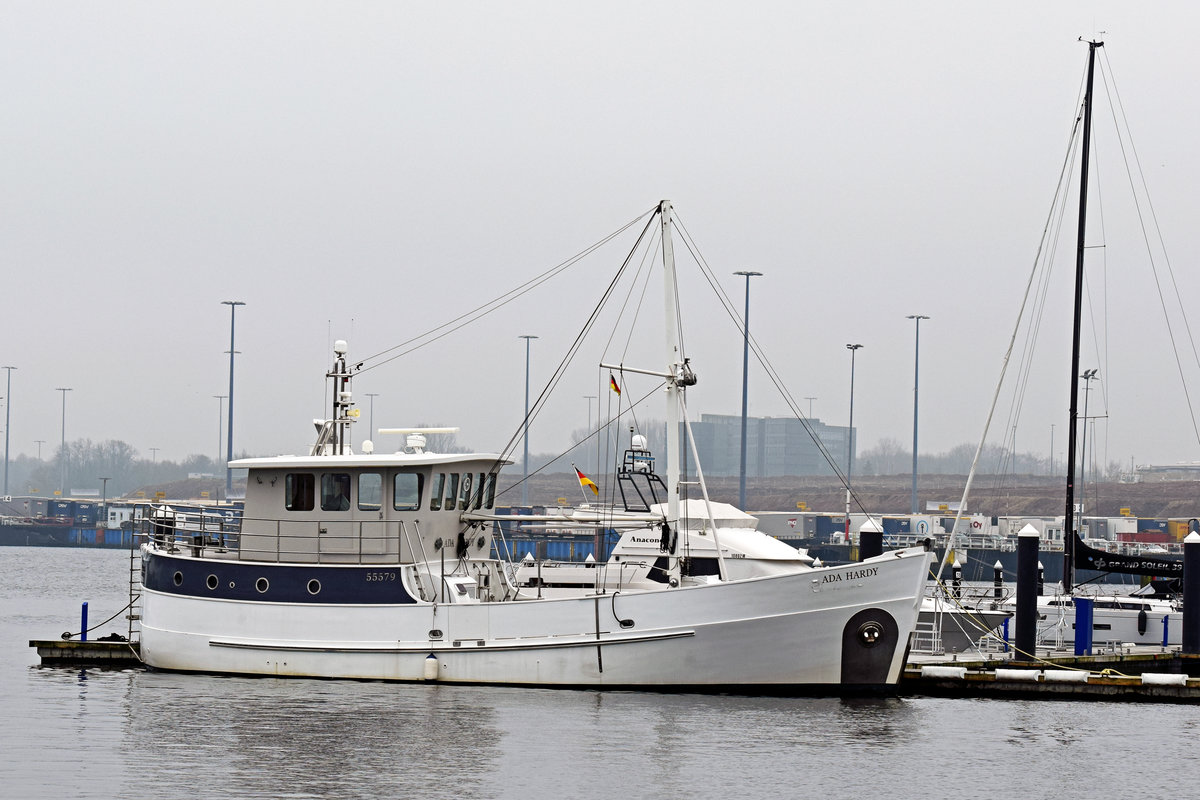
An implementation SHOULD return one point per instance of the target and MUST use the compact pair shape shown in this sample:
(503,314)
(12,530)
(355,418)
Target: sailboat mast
(674,452)
(1072,429)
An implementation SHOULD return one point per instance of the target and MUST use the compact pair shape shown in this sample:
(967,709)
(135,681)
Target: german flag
(612,384)
(584,480)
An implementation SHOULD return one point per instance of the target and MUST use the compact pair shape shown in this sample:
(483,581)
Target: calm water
(134,734)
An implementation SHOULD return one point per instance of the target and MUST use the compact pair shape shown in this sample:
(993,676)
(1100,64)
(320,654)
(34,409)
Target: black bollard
(1191,593)
(998,581)
(956,578)
(870,540)
(1027,593)
(1041,579)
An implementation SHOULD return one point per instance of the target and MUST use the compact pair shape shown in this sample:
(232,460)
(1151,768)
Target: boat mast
(673,366)
(343,401)
(1069,515)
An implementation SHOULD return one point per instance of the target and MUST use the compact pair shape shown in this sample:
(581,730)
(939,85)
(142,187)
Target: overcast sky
(370,170)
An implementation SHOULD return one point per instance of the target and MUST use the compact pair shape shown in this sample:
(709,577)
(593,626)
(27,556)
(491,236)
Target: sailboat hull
(845,626)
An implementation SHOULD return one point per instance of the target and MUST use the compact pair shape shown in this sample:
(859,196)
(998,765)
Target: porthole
(178,578)
(314,586)
(212,582)
(262,585)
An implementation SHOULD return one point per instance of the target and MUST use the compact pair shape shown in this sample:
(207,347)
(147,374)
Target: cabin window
(298,491)
(464,500)
(489,496)
(451,490)
(370,491)
(435,497)
(335,491)
(477,499)
(406,491)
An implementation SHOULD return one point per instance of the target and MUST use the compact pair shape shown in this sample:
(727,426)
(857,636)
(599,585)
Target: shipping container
(827,524)
(1159,525)
(895,525)
(1145,537)
(85,514)
(61,508)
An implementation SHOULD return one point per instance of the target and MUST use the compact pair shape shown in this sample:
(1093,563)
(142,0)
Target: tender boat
(380,566)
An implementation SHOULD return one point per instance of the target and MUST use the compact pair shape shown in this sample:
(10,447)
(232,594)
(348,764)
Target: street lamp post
(590,398)
(233,304)
(810,402)
(220,398)
(853,348)
(7,424)
(39,443)
(1051,449)
(372,395)
(1087,376)
(62,483)
(916,385)
(154,454)
(525,458)
(747,274)
(104,500)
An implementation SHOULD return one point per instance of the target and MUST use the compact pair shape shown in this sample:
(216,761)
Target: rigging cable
(487,308)
(1067,161)
(1115,105)
(567,358)
(759,354)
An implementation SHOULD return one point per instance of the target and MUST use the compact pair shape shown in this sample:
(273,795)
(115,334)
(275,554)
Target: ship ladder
(134,614)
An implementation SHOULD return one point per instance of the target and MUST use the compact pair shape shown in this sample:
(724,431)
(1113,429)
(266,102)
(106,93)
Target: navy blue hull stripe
(275,583)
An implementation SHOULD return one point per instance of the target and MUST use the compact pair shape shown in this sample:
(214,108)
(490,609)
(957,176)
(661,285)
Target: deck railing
(203,532)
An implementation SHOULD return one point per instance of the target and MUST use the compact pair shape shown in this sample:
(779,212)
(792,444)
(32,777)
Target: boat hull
(1111,626)
(845,626)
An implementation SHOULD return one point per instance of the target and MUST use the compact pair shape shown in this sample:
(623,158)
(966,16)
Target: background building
(775,446)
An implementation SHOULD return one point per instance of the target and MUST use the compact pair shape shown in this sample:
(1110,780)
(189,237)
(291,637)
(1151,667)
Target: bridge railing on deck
(204,532)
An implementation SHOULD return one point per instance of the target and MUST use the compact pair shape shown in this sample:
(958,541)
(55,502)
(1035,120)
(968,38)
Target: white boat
(380,566)
(1136,618)
(638,561)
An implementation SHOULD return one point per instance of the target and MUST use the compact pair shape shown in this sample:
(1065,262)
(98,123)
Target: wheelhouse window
(435,497)
(406,491)
(335,491)
(464,500)
(477,497)
(370,491)
(489,492)
(451,490)
(299,491)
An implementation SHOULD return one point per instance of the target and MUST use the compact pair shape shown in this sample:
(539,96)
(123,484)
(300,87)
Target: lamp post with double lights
(233,304)
(62,482)
(525,459)
(853,348)
(220,398)
(916,386)
(7,424)
(747,274)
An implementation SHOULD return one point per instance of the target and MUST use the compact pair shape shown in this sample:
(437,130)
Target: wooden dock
(71,652)
(1149,675)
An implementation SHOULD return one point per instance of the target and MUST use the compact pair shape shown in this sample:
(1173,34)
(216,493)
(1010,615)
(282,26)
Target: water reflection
(250,737)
